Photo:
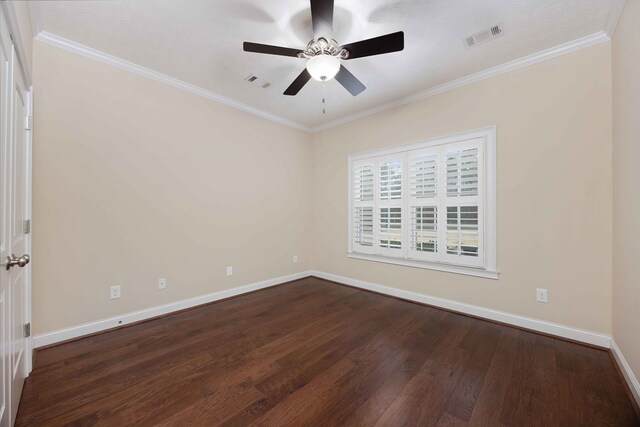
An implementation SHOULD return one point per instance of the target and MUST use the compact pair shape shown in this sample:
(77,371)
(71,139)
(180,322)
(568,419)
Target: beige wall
(553,188)
(135,180)
(626,179)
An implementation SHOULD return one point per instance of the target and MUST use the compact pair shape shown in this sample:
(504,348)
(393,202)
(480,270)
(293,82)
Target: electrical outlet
(230,270)
(541,295)
(115,292)
(162,283)
(295,259)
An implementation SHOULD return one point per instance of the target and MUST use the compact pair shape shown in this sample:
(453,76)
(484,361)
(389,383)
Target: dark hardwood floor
(313,352)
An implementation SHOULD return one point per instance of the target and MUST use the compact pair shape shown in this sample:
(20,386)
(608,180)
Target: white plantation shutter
(363,181)
(390,178)
(423,204)
(463,232)
(362,219)
(363,231)
(390,226)
(389,204)
(462,171)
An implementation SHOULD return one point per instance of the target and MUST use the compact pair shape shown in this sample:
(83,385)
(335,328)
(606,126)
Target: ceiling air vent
(257,81)
(483,36)
(470,41)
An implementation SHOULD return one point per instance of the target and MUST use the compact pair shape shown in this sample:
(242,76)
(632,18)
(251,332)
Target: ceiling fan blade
(269,49)
(393,42)
(349,81)
(322,18)
(298,83)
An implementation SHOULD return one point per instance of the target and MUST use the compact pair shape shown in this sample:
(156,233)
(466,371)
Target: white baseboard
(589,337)
(628,374)
(59,335)
(550,328)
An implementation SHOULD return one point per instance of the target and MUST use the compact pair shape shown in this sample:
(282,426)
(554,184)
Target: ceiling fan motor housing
(323,46)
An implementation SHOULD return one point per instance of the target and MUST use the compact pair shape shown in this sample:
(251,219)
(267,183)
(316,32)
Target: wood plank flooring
(312,352)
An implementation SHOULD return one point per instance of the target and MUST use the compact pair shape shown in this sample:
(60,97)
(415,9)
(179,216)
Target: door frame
(28,168)
(29,178)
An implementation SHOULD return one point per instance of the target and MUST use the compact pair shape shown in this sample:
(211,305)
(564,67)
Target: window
(429,205)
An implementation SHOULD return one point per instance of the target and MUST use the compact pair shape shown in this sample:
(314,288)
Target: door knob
(20,262)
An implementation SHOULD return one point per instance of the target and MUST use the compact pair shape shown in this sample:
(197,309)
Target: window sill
(449,268)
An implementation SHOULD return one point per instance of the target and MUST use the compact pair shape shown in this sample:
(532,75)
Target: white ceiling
(200,42)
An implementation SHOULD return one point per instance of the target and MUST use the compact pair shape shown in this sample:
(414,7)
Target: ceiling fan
(324,54)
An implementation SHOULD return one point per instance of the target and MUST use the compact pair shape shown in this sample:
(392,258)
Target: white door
(15,154)
(18,273)
(6,55)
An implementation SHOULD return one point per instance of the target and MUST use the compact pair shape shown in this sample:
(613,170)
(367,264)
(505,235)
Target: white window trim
(489,270)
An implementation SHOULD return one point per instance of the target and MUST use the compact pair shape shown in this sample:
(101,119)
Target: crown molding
(525,61)
(544,55)
(614,17)
(71,46)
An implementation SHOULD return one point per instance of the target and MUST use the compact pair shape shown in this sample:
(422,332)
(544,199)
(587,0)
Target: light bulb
(323,67)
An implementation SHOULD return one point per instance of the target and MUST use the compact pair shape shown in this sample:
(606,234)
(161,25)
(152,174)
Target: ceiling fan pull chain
(323,98)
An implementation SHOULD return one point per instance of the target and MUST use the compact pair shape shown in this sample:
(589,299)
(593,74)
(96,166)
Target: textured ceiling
(200,42)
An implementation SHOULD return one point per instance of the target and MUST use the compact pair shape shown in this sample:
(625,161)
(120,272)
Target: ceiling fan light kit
(323,58)
(323,67)
(324,55)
